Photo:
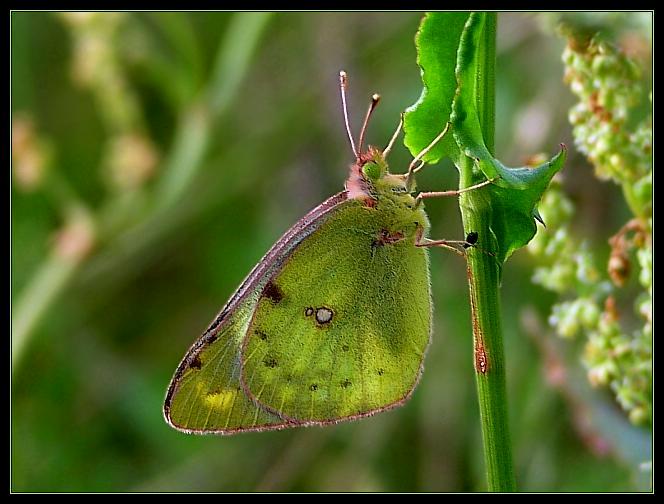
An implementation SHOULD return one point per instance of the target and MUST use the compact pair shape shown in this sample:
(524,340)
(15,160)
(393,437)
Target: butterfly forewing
(205,394)
(209,396)
(340,331)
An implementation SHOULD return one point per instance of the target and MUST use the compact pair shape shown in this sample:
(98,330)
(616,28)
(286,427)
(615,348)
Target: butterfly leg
(454,192)
(425,151)
(387,149)
(416,164)
(456,246)
(459,247)
(453,245)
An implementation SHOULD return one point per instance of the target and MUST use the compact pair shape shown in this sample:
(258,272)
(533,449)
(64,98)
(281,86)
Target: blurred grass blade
(44,287)
(186,156)
(233,58)
(192,137)
(182,163)
(179,30)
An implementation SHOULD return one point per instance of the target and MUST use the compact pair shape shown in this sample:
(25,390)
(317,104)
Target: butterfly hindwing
(340,331)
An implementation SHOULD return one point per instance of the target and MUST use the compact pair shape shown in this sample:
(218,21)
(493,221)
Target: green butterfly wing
(205,395)
(341,329)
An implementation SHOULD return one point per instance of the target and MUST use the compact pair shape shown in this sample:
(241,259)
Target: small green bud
(589,314)
(639,415)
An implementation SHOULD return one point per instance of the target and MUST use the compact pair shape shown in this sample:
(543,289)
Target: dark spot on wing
(346,383)
(273,292)
(261,335)
(309,311)
(313,387)
(216,323)
(370,202)
(270,362)
(195,362)
(381,371)
(385,237)
(345,348)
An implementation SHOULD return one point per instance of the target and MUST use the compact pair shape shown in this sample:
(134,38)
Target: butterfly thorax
(371,183)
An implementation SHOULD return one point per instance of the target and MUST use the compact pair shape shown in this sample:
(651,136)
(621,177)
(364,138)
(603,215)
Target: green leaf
(466,126)
(451,62)
(437,41)
(516,191)
(514,199)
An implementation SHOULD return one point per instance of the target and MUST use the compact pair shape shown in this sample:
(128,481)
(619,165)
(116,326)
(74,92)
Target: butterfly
(334,321)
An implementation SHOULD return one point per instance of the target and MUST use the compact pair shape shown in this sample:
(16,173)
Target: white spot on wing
(323,315)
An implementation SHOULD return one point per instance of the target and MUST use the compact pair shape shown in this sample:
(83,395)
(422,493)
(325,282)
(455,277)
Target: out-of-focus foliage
(156,156)
(616,137)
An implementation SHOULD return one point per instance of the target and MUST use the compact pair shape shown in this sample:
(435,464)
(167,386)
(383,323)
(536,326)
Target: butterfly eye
(371,170)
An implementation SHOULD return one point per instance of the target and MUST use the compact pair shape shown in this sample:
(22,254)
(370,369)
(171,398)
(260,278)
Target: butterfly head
(370,180)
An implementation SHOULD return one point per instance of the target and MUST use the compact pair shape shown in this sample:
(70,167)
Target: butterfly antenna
(343,83)
(374,101)
(387,149)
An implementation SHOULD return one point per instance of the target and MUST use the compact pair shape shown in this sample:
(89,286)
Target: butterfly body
(332,324)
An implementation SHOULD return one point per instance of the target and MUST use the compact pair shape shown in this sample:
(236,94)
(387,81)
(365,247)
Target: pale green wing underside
(334,325)
(341,330)
(205,395)
(209,397)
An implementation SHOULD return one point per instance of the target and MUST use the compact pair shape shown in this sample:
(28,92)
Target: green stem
(483,281)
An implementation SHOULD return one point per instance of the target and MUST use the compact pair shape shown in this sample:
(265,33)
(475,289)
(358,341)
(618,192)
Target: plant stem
(483,280)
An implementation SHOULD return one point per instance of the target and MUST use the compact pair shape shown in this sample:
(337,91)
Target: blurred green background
(165,153)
